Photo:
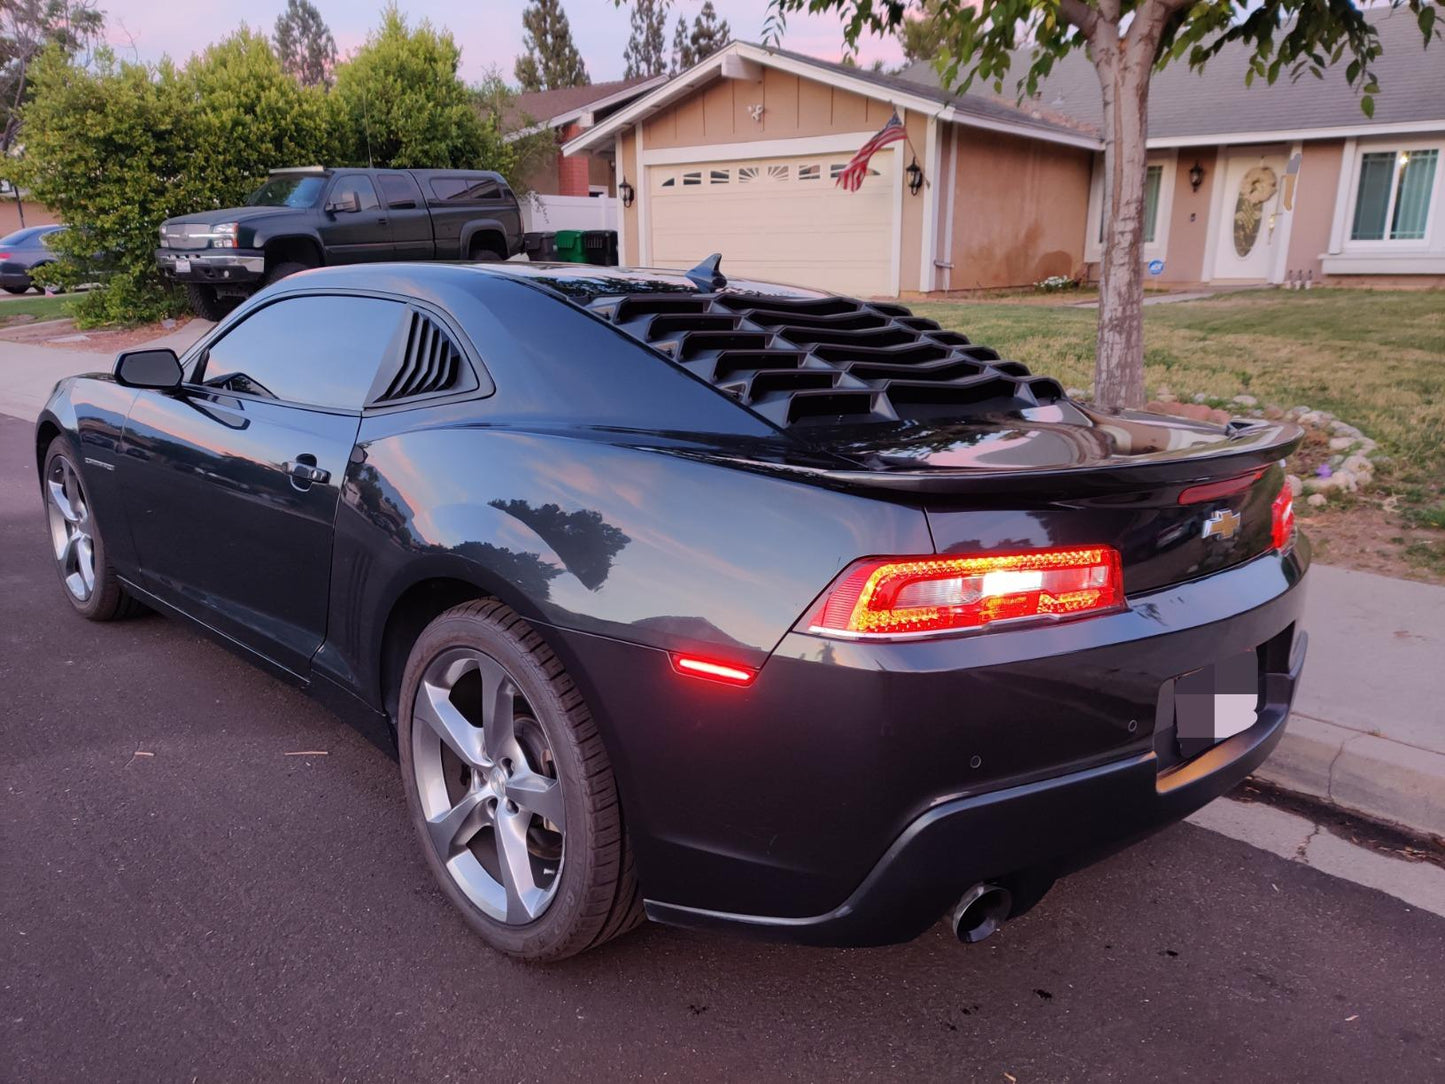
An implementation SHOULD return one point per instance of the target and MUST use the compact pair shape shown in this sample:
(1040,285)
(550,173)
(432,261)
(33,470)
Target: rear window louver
(827,361)
(430,362)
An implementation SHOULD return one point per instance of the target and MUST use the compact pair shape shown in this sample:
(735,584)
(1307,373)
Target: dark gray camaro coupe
(724,604)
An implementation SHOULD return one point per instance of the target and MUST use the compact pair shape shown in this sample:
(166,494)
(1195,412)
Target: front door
(232,483)
(355,236)
(1253,217)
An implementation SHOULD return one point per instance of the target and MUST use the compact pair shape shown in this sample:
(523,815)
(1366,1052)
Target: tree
(115,148)
(920,34)
(304,44)
(709,33)
(551,59)
(1127,40)
(28,28)
(530,147)
(403,104)
(682,55)
(646,52)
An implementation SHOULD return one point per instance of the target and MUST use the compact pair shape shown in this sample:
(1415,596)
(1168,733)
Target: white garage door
(778,219)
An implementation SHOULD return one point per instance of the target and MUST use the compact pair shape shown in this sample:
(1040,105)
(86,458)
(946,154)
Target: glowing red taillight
(1281,515)
(917,596)
(694,666)
(4,255)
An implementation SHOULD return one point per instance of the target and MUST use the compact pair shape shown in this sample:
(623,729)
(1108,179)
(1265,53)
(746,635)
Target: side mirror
(348,204)
(157,369)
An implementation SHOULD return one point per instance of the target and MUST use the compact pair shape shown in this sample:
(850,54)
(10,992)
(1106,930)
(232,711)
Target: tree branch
(1081,15)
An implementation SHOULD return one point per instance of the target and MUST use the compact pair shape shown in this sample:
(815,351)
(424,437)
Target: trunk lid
(1179,499)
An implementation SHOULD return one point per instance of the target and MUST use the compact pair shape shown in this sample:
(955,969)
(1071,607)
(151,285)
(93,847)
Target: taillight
(1281,516)
(4,255)
(727,673)
(921,596)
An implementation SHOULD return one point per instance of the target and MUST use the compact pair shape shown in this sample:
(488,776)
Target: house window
(1153,182)
(1392,197)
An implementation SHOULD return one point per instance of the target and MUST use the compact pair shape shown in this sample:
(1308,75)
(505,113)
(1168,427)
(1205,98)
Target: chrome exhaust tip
(980,912)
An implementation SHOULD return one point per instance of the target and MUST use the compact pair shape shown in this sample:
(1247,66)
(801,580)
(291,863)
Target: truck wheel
(484,253)
(206,303)
(281,270)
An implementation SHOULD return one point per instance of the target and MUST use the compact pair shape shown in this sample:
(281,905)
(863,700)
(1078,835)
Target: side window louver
(430,362)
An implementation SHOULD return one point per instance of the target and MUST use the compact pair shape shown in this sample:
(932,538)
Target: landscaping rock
(1296,486)
(1200,397)
(1245,400)
(1294,414)
(1220,417)
(1273,413)
(1076,393)
(1316,500)
(1339,444)
(1358,463)
(1166,396)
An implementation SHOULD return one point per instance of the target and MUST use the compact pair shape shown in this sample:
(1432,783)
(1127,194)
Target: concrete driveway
(205,876)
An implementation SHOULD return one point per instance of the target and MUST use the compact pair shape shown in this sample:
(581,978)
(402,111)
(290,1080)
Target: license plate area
(1217,702)
(183,266)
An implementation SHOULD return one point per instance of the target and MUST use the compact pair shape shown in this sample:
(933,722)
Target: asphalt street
(183,899)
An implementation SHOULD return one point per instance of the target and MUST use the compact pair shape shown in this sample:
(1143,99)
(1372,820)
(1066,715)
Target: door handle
(306,473)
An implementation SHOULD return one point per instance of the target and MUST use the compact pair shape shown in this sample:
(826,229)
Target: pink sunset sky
(490,34)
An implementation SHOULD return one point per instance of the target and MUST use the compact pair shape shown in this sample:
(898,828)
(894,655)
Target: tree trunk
(1124,72)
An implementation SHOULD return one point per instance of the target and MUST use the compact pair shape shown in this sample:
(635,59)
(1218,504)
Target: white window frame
(1433,230)
(1157,249)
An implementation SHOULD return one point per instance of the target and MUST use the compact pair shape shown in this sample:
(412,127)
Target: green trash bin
(570,247)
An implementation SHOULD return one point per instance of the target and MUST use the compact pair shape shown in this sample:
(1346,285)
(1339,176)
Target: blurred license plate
(1217,702)
(183,267)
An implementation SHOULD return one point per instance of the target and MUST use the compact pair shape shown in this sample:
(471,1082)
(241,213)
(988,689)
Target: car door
(355,228)
(232,481)
(411,233)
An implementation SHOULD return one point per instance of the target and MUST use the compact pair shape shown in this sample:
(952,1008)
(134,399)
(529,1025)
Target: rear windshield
(287,192)
(20,237)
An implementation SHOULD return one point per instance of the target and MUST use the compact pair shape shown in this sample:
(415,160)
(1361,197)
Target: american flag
(857,168)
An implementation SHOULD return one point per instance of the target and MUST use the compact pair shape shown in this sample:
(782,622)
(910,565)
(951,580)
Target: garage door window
(747,174)
(689,179)
(720,176)
(808,173)
(777,173)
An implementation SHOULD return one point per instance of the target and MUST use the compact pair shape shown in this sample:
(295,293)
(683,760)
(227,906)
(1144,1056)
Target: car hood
(230,214)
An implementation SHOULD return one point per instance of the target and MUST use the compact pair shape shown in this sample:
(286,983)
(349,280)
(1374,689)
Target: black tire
(484,253)
(207,304)
(17,289)
(106,599)
(277,272)
(595,896)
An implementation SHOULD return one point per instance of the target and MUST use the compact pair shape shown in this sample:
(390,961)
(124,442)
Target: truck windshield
(287,192)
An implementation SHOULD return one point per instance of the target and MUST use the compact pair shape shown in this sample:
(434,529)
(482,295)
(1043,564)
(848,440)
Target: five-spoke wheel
(91,585)
(510,787)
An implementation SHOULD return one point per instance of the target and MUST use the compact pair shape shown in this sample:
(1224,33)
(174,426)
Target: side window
(365,193)
(399,191)
(465,189)
(316,351)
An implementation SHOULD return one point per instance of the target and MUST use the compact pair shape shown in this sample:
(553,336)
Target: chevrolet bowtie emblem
(1223,524)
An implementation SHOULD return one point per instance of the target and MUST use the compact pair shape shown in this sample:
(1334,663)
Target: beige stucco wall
(1020,208)
(1314,205)
(1189,217)
(792,108)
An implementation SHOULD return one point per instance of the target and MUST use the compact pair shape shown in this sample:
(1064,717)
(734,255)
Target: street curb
(1367,774)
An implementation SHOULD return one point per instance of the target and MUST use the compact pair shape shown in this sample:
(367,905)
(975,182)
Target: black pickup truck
(312,216)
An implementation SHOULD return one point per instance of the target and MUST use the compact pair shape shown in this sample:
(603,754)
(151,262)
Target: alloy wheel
(488,786)
(71,528)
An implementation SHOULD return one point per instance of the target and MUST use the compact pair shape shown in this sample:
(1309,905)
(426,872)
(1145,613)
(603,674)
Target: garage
(781,219)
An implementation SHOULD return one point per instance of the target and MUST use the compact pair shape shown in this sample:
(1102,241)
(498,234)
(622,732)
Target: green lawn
(1376,359)
(42,308)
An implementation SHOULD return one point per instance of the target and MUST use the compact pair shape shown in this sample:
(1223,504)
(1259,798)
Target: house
(739,155)
(1254,184)
(569,111)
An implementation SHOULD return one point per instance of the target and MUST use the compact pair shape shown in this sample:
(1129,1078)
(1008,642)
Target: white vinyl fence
(548,214)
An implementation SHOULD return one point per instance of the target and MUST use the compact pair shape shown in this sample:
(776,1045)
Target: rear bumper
(1045,828)
(211,266)
(14,275)
(856,790)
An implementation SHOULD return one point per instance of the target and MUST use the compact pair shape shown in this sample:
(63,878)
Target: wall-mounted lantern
(1196,175)
(914,173)
(627,192)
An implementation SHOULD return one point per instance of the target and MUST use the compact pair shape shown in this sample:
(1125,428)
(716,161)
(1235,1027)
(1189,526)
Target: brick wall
(572,170)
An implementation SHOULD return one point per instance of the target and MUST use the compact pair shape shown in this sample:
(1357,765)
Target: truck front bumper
(211,267)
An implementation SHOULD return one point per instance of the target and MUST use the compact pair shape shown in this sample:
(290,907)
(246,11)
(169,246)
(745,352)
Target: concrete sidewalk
(1368,730)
